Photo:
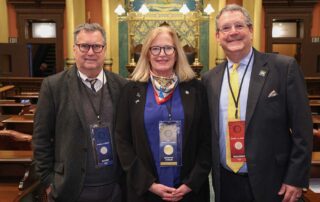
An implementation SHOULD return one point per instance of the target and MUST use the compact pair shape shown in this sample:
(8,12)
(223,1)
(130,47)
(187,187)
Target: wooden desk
(310,196)
(18,97)
(3,117)
(14,163)
(314,103)
(315,165)
(12,156)
(25,96)
(6,88)
(316,119)
(23,123)
(12,107)
(23,83)
(19,119)
(315,158)
(317,97)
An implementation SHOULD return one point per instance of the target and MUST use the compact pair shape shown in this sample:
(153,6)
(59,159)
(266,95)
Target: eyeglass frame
(162,48)
(91,46)
(238,26)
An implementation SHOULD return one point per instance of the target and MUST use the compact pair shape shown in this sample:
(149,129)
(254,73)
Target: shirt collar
(99,77)
(242,62)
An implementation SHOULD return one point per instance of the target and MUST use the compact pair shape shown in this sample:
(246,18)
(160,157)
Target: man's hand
(291,193)
(163,191)
(48,190)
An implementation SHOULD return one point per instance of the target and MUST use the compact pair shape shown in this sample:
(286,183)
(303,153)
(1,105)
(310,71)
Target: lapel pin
(138,94)
(262,73)
(187,92)
(137,101)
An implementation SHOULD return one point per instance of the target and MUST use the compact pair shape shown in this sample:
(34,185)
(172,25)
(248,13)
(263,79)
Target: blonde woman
(162,130)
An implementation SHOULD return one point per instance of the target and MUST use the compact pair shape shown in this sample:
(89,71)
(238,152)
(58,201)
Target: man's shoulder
(212,71)
(116,78)
(276,58)
(58,77)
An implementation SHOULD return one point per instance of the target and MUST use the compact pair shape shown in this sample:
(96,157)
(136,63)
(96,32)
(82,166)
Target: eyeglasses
(156,50)
(83,47)
(228,27)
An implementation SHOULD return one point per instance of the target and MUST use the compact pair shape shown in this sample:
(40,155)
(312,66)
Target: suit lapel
(259,75)
(187,93)
(74,93)
(114,92)
(216,83)
(138,97)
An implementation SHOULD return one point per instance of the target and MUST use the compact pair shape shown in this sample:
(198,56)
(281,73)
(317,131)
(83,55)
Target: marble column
(255,10)
(110,23)
(75,15)
(4,30)
(216,54)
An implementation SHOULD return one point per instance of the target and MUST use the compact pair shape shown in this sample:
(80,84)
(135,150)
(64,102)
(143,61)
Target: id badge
(170,143)
(101,144)
(236,134)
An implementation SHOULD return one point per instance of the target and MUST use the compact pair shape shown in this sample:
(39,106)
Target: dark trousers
(235,187)
(105,193)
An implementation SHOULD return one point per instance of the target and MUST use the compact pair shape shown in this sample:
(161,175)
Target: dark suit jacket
(278,138)
(60,132)
(135,154)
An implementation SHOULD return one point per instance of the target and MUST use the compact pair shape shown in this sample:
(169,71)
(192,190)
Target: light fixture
(208,9)
(144,9)
(119,10)
(184,9)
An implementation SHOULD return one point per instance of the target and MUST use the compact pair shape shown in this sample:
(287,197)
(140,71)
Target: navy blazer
(278,138)
(135,154)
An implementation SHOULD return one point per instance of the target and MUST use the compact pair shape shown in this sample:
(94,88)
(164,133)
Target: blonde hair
(181,68)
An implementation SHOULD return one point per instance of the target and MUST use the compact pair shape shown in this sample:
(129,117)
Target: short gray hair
(89,27)
(234,7)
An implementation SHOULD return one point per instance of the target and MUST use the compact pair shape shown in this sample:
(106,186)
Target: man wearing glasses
(260,118)
(74,125)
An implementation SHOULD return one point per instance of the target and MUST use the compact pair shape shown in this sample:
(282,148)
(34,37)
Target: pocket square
(272,94)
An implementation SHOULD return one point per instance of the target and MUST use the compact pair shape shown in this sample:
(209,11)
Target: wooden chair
(30,187)
(16,163)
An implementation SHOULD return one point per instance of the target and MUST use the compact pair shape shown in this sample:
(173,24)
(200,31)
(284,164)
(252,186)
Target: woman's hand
(179,193)
(163,191)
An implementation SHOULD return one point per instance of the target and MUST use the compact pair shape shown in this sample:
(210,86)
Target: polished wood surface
(314,103)
(316,119)
(25,96)
(23,84)
(315,158)
(310,196)
(16,156)
(21,123)
(6,88)
(8,191)
(19,119)
(314,97)
(12,107)
(13,104)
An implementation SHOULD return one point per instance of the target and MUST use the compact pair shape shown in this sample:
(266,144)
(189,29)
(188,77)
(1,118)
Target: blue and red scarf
(163,87)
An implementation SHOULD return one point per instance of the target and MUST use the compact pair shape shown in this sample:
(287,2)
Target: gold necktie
(234,82)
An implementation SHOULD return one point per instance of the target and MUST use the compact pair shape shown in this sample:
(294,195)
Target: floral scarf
(163,87)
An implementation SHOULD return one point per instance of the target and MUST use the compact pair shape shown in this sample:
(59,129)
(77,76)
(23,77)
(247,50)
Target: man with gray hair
(73,141)
(260,118)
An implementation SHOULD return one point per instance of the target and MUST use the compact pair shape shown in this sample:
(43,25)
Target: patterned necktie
(234,82)
(92,82)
